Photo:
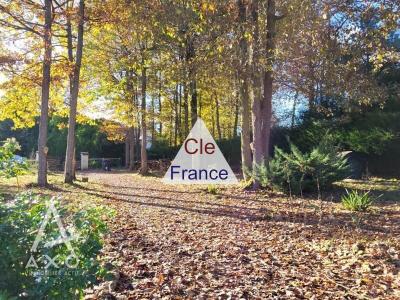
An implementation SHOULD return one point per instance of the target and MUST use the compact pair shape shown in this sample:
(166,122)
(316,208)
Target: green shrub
(10,166)
(95,164)
(297,172)
(20,220)
(230,148)
(355,201)
(4,295)
(160,149)
(369,140)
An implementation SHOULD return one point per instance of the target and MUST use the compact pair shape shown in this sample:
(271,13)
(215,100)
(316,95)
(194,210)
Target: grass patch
(385,189)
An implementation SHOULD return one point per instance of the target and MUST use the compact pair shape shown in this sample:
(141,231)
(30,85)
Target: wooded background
(126,69)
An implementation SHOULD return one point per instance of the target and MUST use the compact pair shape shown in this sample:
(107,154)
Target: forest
(294,103)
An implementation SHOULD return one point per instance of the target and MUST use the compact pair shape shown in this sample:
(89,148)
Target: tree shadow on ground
(219,195)
(377,223)
(148,189)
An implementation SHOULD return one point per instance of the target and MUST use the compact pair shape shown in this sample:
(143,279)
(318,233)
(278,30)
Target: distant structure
(84,160)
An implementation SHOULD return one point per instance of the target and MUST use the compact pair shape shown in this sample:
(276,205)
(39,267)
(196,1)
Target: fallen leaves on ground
(180,242)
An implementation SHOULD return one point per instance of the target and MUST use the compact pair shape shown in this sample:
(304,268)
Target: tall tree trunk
(69,174)
(136,132)
(70,49)
(257,107)
(176,113)
(199,102)
(153,122)
(127,141)
(137,129)
(236,120)
(263,109)
(143,152)
(217,118)
(131,86)
(171,118)
(44,108)
(186,109)
(294,110)
(268,77)
(193,102)
(131,139)
(244,91)
(190,54)
(180,130)
(213,121)
(160,105)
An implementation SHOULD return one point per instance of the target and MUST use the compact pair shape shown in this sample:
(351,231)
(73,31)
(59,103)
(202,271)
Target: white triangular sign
(200,161)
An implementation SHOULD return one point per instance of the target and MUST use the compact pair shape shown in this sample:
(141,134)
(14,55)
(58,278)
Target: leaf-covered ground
(180,242)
